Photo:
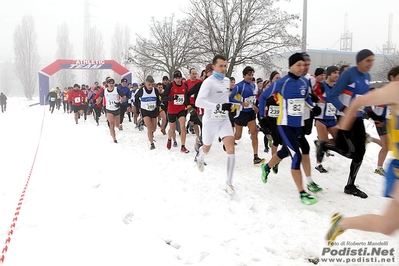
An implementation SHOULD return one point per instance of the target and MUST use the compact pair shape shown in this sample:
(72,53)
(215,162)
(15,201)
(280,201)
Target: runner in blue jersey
(353,83)
(326,122)
(293,94)
(246,114)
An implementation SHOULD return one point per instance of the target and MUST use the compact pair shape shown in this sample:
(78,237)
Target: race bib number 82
(295,107)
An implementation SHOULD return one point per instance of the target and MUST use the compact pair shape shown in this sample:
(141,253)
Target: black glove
(175,97)
(316,110)
(226,106)
(314,98)
(192,111)
(117,104)
(375,117)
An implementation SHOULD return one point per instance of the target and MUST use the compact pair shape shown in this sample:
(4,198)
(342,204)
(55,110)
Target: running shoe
(335,230)
(307,199)
(265,172)
(200,162)
(152,147)
(266,149)
(184,149)
(175,144)
(169,144)
(353,190)
(230,190)
(380,171)
(321,169)
(115,141)
(313,187)
(258,160)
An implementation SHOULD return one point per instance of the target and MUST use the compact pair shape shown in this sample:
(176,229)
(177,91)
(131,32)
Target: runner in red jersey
(77,98)
(174,94)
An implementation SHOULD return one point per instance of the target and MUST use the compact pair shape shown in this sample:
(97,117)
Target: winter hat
(331,69)
(319,71)
(363,54)
(295,58)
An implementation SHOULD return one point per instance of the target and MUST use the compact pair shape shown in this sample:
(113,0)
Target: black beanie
(331,69)
(295,58)
(319,71)
(363,54)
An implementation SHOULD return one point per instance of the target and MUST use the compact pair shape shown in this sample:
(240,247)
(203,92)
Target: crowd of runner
(284,109)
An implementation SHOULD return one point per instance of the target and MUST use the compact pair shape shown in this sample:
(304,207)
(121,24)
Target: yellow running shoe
(335,230)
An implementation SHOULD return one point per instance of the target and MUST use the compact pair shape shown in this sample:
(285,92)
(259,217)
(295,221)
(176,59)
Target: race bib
(295,107)
(251,100)
(77,100)
(151,106)
(65,99)
(330,109)
(179,100)
(274,111)
(52,99)
(219,114)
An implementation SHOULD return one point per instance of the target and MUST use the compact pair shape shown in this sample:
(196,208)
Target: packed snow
(90,201)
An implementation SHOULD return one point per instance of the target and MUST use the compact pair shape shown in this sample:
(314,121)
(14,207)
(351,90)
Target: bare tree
(94,51)
(142,72)
(169,47)
(26,55)
(390,61)
(120,43)
(64,51)
(242,30)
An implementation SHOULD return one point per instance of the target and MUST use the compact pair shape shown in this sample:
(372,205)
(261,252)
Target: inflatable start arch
(48,71)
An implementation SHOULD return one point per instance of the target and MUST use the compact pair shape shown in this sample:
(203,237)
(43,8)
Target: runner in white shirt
(214,98)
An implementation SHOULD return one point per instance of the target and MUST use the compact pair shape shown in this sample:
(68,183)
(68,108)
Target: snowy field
(92,202)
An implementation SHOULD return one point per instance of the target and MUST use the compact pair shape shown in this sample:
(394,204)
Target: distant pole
(304,24)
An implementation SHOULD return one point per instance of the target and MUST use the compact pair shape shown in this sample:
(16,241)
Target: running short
(152,114)
(211,128)
(328,122)
(173,117)
(244,118)
(391,177)
(77,108)
(382,130)
(113,112)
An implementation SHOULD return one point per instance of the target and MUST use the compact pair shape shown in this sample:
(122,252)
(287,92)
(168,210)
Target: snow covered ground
(92,202)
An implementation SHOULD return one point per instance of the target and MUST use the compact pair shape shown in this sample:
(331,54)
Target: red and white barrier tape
(21,199)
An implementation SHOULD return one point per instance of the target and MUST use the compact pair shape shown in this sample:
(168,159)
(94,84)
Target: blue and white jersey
(293,97)
(246,90)
(351,84)
(328,110)
(148,101)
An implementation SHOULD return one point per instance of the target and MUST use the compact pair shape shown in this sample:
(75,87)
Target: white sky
(92,202)
(368,20)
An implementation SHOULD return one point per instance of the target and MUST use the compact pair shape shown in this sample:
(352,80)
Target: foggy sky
(368,20)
